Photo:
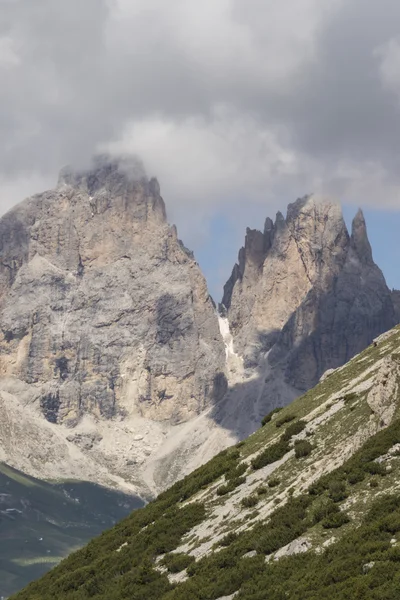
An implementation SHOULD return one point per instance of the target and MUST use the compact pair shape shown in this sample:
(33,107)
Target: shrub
(270,455)
(284,420)
(355,476)
(302,448)
(323,510)
(374,468)
(274,482)
(249,501)
(374,483)
(236,472)
(176,562)
(262,490)
(228,539)
(268,417)
(335,520)
(337,490)
(350,397)
(293,429)
(231,485)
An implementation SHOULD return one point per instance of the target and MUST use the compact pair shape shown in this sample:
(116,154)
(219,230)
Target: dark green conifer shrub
(270,455)
(302,448)
(268,417)
(284,420)
(273,482)
(249,501)
(294,429)
(335,520)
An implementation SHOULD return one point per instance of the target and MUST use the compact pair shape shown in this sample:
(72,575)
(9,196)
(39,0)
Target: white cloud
(247,104)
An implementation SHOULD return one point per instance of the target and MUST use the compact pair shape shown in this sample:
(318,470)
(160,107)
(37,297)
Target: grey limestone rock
(306,296)
(102,309)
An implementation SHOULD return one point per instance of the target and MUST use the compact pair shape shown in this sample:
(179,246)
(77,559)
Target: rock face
(305,297)
(103,312)
(113,361)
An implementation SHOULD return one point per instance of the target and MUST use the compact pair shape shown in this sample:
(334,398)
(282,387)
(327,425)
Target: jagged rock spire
(359,238)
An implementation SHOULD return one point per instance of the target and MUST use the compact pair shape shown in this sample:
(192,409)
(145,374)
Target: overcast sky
(237,106)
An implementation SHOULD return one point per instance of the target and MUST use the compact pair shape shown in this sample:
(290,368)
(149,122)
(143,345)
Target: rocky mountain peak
(359,239)
(314,300)
(104,316)
(120,180)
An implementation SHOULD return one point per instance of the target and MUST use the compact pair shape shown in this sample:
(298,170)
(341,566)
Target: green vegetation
(270,455)
(249,501)
(273,482)
(294,429)
(230,486)
(302,448)
(228,539)
(285,419)
(268,417)
(363,563)
(233,476)
(176,562)
(335,520)
(41,523)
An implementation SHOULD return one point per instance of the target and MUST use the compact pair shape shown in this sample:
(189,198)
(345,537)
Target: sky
(237,106)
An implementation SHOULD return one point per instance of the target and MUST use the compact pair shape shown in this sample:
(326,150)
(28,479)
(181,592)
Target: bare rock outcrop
(103,311)
(305,297)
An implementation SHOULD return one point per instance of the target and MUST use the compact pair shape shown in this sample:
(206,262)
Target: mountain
(305,508)
(109,339)
(116,368)
(305,297)
(42,523)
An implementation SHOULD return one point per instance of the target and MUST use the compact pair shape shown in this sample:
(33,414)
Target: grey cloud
(225,101)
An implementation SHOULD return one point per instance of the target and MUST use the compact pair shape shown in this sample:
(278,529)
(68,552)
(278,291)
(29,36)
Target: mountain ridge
(115,366)
(276,514)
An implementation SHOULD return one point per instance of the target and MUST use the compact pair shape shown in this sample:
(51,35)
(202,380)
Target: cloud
(235,106)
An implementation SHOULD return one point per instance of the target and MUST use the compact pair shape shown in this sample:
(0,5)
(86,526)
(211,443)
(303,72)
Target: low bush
(268,417)
(228,539)
(262,490)
(230,486)
(350,397)
(249,501)
(302,448)
(374,468)
(236,472)
(323,510)
(294,429)
(176,562)
(355,476)
(270,455)
(284,420)
(273,482)
(337,491)
(335,520)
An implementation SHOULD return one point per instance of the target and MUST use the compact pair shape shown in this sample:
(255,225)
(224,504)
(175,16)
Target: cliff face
(306,295)
(103,312)
(113,362)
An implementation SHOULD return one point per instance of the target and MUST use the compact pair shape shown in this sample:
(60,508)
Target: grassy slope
(41,523)
(343,499)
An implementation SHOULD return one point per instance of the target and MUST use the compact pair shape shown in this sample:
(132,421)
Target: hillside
(41,523)
(307,507)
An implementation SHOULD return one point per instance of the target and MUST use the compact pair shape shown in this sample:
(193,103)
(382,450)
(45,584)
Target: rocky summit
(107,328)
(115,366)
(305,297)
